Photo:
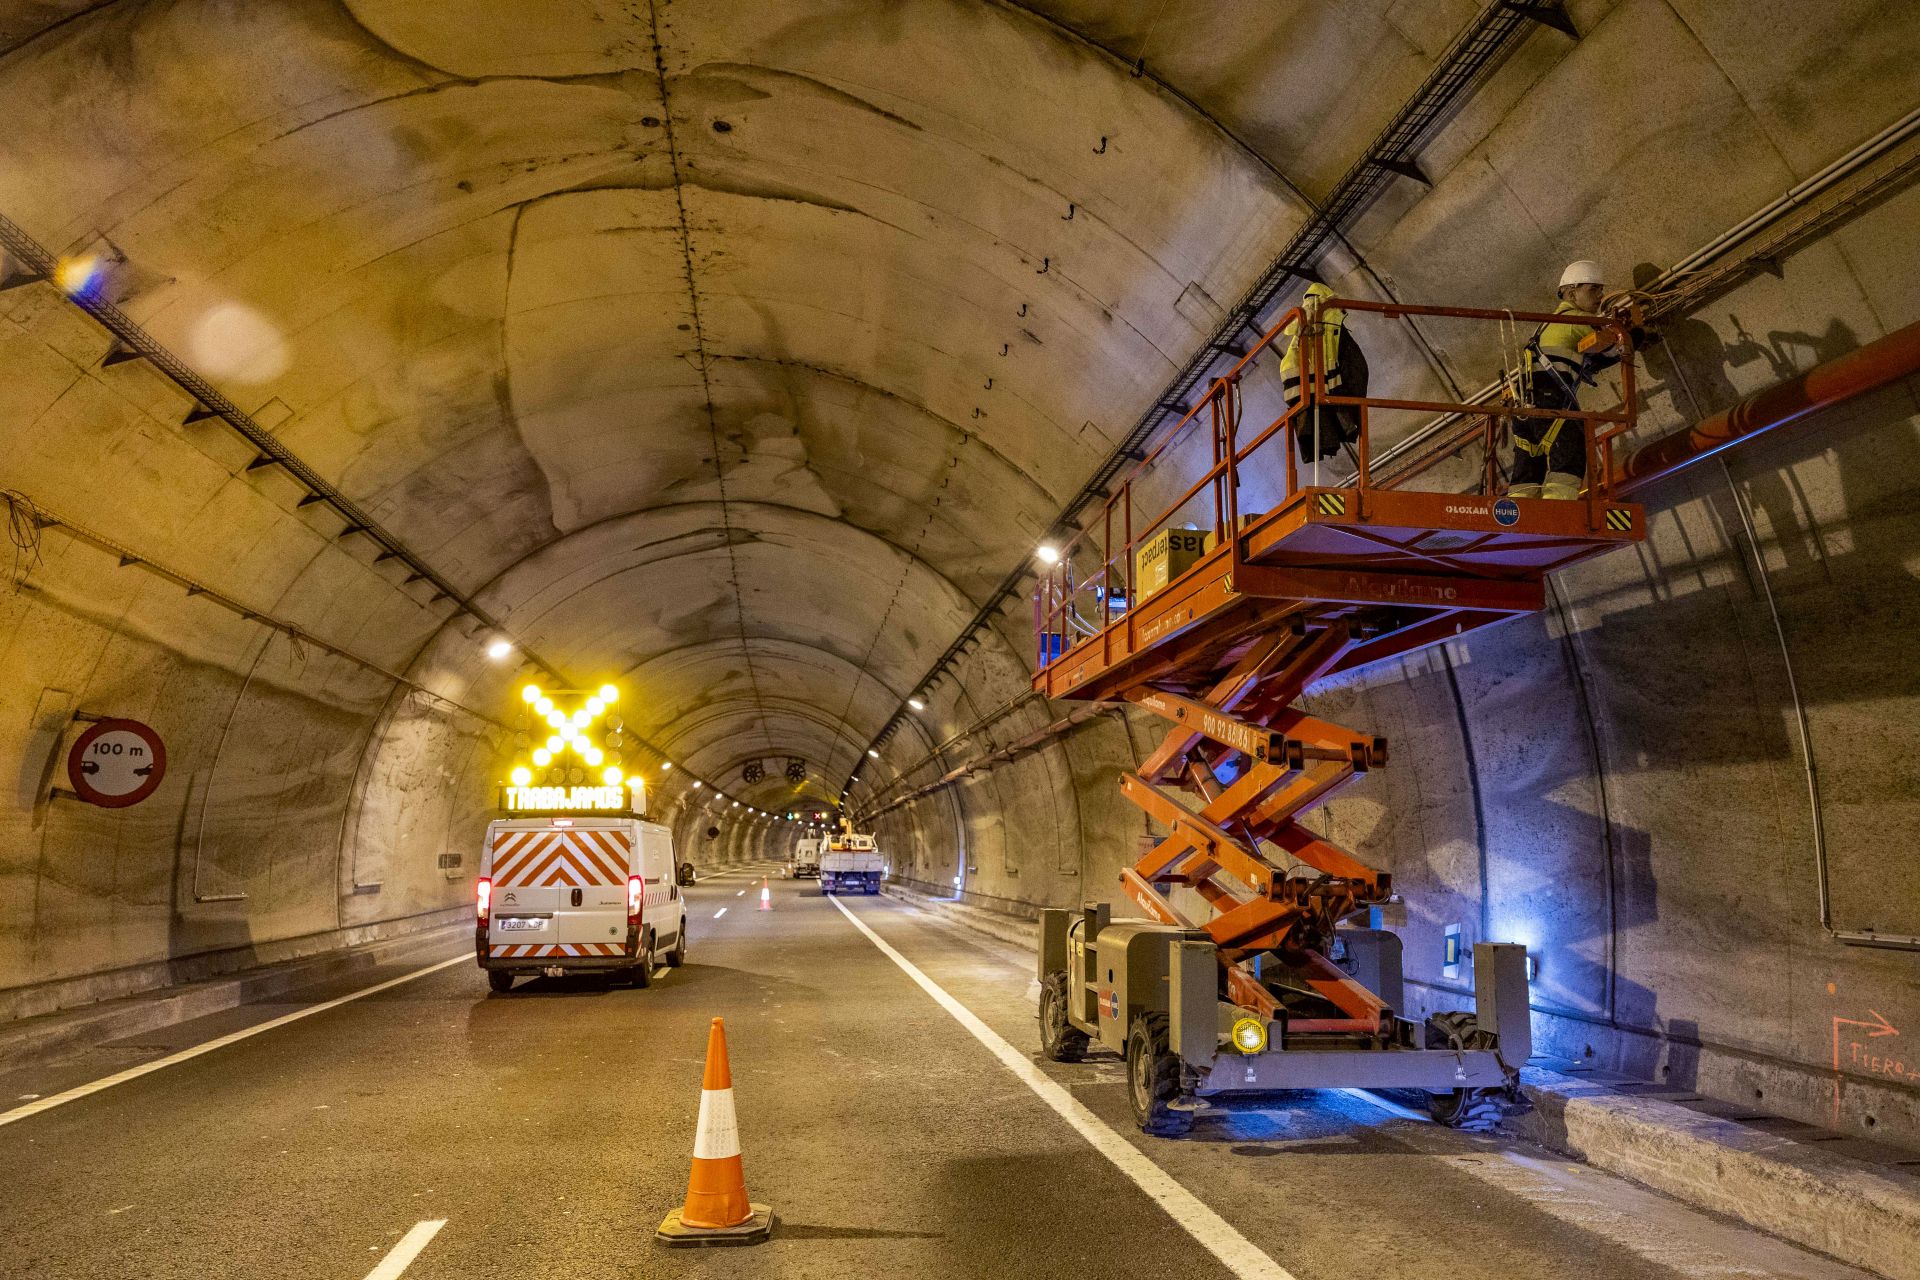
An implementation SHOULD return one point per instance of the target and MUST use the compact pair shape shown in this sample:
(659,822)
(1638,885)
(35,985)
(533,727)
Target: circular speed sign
(117,763)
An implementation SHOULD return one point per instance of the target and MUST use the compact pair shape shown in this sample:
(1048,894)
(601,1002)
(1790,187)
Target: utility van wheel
(678,956)
(1474,1110)
(1060,1040)
(1153,1078)
(643,970)
(500,980)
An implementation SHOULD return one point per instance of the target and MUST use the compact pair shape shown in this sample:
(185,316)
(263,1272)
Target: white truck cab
(582,894)
(806,859)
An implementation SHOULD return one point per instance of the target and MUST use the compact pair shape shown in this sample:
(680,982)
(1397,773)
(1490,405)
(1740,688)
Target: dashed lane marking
(78,1092)
(1211,1231)
(722,911)
(402,1255)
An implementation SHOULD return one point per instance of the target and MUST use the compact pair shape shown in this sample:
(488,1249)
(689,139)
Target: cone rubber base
(752,1231)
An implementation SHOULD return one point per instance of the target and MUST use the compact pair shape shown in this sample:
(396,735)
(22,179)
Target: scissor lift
(1269,990)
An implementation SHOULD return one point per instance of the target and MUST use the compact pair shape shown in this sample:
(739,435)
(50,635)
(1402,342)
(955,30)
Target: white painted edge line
(402,1255)
(78,1092)
(722,911)
(1213,1233)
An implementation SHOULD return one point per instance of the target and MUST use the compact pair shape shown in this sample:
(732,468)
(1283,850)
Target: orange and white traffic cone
(766,896)
(717,1210)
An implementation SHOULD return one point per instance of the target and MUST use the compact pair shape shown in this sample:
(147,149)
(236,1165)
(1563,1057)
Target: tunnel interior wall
(1620,783)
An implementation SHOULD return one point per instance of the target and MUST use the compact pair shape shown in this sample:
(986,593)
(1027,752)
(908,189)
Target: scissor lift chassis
(1119,971)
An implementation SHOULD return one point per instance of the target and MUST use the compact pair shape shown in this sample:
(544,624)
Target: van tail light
(483,899)
(636,894)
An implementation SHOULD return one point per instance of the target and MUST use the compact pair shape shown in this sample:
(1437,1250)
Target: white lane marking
(134,1073)
(1213,1233)
(402,1254)
(1393,1108)
(741,894)
(722,911)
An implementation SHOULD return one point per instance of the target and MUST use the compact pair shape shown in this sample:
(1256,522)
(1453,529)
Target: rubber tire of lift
(1153,1078)
(1060,1040)
(1472,1110)
(678,956)
(641,975)
(500,980)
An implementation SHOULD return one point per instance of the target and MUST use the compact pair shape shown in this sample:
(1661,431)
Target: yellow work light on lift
(530,694)
(1250,1035)
(522,776)
(609,694)
(613,775)
(542,757)
(543,705)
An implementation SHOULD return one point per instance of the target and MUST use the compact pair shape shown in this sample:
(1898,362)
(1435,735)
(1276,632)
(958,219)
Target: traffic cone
(766,896)
(717,1210)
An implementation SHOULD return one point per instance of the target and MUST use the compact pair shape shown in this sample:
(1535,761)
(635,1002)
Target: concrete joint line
(1212,1232)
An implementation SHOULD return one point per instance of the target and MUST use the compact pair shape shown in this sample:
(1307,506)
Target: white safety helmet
(1584,271)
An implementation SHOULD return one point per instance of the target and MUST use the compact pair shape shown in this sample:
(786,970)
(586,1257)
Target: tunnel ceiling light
(77,276)
(1048,553)
(916,704)
(499,650)
(666,766)
(531,694)
(696,784)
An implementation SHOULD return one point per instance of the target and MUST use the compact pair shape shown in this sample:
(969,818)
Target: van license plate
(509,924)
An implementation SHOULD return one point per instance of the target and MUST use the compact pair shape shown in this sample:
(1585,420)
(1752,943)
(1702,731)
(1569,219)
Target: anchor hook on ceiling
(1046,265)
(1070,209)
(1023,308)
(989,385)
(1003,348)
(1102,148)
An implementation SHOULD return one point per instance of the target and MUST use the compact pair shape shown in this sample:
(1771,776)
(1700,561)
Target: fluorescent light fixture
(916,704)
(1048,553)
(871,752)
(499,650)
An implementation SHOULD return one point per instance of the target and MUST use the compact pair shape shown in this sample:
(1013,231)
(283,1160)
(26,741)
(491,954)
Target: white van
(577,895)
(806,859)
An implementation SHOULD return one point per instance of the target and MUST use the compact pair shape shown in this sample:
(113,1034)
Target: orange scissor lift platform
(1332,578)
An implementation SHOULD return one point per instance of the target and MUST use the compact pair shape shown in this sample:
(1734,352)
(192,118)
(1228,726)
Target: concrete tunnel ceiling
(663,327)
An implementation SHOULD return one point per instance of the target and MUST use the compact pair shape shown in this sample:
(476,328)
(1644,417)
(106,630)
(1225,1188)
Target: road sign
(116,763)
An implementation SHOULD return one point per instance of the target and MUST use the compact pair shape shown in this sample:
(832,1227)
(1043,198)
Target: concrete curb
(1857,1212)
(52,1036)
(1021,933)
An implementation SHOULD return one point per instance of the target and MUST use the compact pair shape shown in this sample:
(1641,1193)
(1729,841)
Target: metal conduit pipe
(1878,364)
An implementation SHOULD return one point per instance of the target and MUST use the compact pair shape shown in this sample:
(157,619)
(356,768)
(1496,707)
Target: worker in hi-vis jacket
(1346,375)
(1550,454)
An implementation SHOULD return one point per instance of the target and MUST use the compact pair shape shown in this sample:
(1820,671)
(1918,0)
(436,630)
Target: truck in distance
(806,859)
(851,864)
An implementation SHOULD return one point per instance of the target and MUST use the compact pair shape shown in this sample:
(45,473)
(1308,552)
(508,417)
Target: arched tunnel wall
(486,260)
(1622,783)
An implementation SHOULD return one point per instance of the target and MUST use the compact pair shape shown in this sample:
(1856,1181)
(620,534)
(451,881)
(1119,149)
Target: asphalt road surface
(892,1108)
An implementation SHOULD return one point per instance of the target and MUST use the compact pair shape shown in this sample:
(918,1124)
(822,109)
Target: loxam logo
(1458,509)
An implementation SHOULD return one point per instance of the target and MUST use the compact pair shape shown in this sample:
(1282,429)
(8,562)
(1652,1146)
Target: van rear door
(561,887)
